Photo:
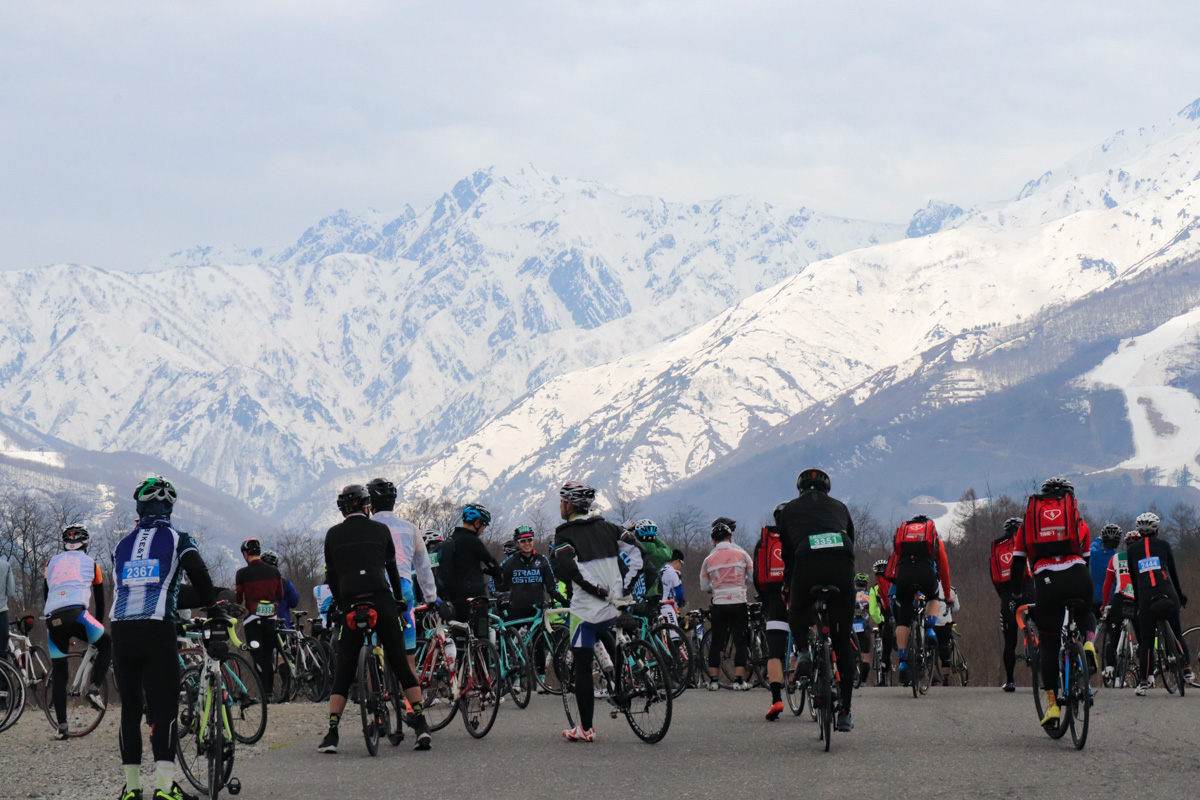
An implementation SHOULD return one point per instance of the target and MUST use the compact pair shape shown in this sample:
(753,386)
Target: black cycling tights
(829,572)
(1054,589)
(263,631)
(1147,624)
(585,688)
(146,667)
(729,621)
(61,637)
(390,636)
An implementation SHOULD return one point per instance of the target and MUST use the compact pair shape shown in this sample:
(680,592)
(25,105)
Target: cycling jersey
(291,599)
(672,587)
(412,558)
(1152,569)
(146,570)
(461,566)
(815,526)
(946,609)
(587,552)
(259,588)
(527,579)
(70,578)
(324,598)
(725,573)
(1098,564)
(360,558)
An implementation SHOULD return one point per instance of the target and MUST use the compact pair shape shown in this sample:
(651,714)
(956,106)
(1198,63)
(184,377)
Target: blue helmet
(646,529)
(473,511)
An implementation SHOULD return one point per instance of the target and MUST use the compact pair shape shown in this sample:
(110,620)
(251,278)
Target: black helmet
(1110,535)
(578,495)
(722,527)
(75,537)
(880,566)
(1012,524)
(383,494)
(510,547)
(1057,486)
(777,510)
(353,498)
(813,479)
(252,546)
(155,488)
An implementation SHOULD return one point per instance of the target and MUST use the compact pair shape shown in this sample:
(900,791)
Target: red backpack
(1052,526)
(1002,556)
(916,538)
(768,563)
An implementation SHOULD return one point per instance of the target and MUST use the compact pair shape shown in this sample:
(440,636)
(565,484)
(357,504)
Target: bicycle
(82,716)
(243,685)
(516,668)
(206,742)
(671,643)
(922,652)
(635,678)
(878,664)
(1167,659)
(374,689)
(696,628)
(795,686)
(1125,670)
(465,679)
(825,693)
(1074,690)
(30,660)
(1191,638)
(12,695)
(958,662)
(300,666)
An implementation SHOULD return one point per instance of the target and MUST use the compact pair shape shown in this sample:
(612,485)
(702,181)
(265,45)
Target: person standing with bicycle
(817,534)
(725,573)
(360,566)
(148,565)
(1055,540)
(258,587)
(8,588)
(1001,566)
(1158,595)
(72,579)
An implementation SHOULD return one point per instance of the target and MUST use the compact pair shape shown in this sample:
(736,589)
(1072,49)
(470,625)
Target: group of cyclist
(376,559)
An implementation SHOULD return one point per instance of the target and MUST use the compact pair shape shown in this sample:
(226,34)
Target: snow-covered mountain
(377,337)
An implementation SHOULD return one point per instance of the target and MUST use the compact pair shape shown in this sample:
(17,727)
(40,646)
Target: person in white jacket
(726,573)
(945,630)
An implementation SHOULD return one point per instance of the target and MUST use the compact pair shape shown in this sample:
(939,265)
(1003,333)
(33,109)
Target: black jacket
(462,562)
(1152,568)
(527,580)
(360,559)
(811,514)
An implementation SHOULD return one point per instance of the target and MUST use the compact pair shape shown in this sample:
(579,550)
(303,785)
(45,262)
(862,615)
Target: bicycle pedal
(613,714)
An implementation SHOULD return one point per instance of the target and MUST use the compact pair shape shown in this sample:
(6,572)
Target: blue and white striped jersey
(146,570)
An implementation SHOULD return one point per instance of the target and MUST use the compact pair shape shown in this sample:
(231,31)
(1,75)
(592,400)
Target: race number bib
(859,626)
(141,572)
(820,541)
(265,609)
(1148,564)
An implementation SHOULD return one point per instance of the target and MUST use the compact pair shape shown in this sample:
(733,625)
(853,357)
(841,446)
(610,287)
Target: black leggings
(1010,630)
(585,696)
(71,627)
(1147,624)
(729,620)
(263,631)
(146,666)
(391,636)
(777,626)
(1120,609)
(1054,589)
(886,637)
(827,572)
(912,576)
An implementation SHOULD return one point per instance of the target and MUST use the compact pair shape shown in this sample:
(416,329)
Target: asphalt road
(952,743)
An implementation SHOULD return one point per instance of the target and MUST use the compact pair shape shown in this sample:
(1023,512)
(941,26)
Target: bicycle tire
(1126,668)
(672,641)
(187,741)
(247,702)
(825,689)
(644,689)
(370,696)
(437,693)
(480,699)
(564,665)
(12,695)
(313,678)
(916,650)
(1078,696)
(82,718)
(794,692)
(1173,657)
(519,678)
(281,682)
(1191,640)
(217,774)
(37,672)
(541,653)
(959,664)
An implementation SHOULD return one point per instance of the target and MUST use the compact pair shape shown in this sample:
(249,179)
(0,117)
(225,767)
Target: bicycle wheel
(82,716)
(564,668)
(1191,639)
(246,701)
(480,699)
(12,695)
(644,689)
(281,682)
(825,694)
(958,663)
(1078,694)
(312,670)
(1036,679)
(34,667)
(756,657)
(370,697)
(1170,659)
(1125,674)
(671,641)
(218,773)
(540,648)
(519,678)
(188,745)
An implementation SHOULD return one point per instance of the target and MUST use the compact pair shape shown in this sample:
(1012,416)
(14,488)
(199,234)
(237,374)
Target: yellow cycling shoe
(1089,648)
(1053,715)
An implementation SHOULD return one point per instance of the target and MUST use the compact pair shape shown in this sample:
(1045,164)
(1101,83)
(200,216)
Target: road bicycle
(1191,639)
(82,716)
(206,742)
(696,627)
(922,650)
(243,685)
(301,666)
(1125,669)
(672,644)
(30,660)
(12,695)
(1074,692)
(958,661)
(516,667)
(884,671)
(464,679)
(635,677)
(825,680)
(1167,660)
(795,684)
(756,651)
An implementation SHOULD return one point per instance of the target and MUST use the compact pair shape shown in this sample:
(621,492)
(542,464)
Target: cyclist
(918,563)
(291,597)
(1103,548)
(944,628)
(148,564)
(862,616)
(433,545)
(72,580)
(360,564)
(1054,539)
(8,588)
(770,581)
(464,559)
(655,553)
(1120,603)
(411,559)
(1001,567)
(587,554)
(1158,593)
(881,615)
(323,598)
(527,576)
(725,573)
(817,534)
(258,587)
(672,587)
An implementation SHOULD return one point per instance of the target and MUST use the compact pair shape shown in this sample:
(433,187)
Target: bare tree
(625,507)
(685,527)
(301,559)
(28,539)
(428,513)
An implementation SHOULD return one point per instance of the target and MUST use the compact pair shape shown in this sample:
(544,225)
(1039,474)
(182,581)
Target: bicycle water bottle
(451,650)
(602,654)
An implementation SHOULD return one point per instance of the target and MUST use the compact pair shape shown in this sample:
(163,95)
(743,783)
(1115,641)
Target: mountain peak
(932,218)
(1190,112)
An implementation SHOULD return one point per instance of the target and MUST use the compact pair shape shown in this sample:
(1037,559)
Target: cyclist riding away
(770,581)
(1055,540)
(862,616)
(818,549)
(1120,602)
(881,615)
(725,573)
(360,565)
(1001,563)
(945,631)
(72,580)
(918,563)
(1103,548)
(259,588)
(1158,594)
(148,565)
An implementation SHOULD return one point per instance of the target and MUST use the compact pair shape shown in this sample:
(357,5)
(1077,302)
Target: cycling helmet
(1057,486)
(252,546)
(75,537)
(646,529)
(813,479)
(578,495)
(510,547)
(430,537)
(1012,524)
(1147,524)
(1110,535)
(270,558)
(155,488)
(1132,536)
(880,566)
(523,532)
(723,527)
(862,580)
(353,499)
(383,494)
(473,511)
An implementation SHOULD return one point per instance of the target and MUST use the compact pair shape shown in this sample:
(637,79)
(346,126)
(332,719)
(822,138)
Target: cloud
(134,129)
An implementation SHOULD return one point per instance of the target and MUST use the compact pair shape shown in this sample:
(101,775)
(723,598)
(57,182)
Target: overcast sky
(129,130)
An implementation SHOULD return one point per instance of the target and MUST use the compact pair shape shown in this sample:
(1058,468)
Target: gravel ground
(34,766)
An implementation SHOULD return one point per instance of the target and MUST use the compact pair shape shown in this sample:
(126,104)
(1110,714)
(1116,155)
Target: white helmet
(1147,524)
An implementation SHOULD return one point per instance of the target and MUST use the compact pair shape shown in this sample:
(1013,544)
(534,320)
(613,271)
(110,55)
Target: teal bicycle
(206,742)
